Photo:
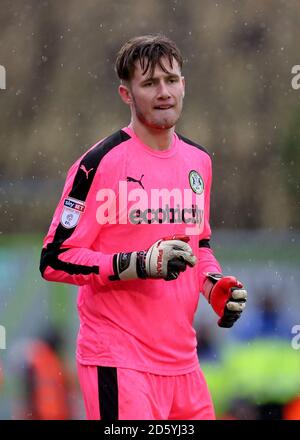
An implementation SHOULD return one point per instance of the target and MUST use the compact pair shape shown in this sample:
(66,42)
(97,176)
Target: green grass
(256,253)
(21,240)
(250,251)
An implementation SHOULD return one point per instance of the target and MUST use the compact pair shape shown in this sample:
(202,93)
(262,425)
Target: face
(155,101)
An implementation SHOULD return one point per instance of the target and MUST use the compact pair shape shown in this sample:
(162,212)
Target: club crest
(196,182)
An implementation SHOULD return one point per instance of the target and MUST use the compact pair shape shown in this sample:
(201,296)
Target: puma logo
(131,179)
(82,167)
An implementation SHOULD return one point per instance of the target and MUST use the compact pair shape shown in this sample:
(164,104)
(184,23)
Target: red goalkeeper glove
(227,297)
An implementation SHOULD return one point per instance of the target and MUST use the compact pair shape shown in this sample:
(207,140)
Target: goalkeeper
(132,230)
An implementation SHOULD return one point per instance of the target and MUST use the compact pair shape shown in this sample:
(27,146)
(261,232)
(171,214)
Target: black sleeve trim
(81,185)
(204,243)
(49,257)
(188,141)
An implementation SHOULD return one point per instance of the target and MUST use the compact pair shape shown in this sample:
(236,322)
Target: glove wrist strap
(210,280)
(129,265)
(141,264)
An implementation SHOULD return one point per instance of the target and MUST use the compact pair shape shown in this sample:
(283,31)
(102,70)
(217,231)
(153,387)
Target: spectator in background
(268,318)
(291,411)
(44,378)
(207,348)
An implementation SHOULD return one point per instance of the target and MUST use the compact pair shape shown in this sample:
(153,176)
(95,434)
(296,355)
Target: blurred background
(61,97)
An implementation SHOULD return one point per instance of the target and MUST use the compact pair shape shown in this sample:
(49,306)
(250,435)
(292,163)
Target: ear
(183,83)
(125,94)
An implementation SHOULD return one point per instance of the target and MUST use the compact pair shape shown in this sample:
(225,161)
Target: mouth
(163,107)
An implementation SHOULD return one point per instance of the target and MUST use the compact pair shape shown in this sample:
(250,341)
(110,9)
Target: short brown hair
(148,50)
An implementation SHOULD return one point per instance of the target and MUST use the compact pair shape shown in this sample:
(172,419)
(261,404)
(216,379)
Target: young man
(132,230)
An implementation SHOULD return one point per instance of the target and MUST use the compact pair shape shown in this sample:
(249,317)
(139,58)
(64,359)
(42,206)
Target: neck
(158,139)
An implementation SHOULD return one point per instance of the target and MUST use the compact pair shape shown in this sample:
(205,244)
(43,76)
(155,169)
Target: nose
(163,91)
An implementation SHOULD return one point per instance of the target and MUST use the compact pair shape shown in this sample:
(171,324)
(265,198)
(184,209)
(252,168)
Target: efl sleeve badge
(71,213)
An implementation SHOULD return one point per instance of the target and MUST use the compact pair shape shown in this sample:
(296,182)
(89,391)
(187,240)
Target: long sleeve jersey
(122,196)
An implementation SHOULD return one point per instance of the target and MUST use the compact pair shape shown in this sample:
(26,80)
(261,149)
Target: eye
(173,80)
(148,84)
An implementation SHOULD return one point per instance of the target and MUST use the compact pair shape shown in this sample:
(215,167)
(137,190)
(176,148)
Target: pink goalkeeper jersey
(122,196)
